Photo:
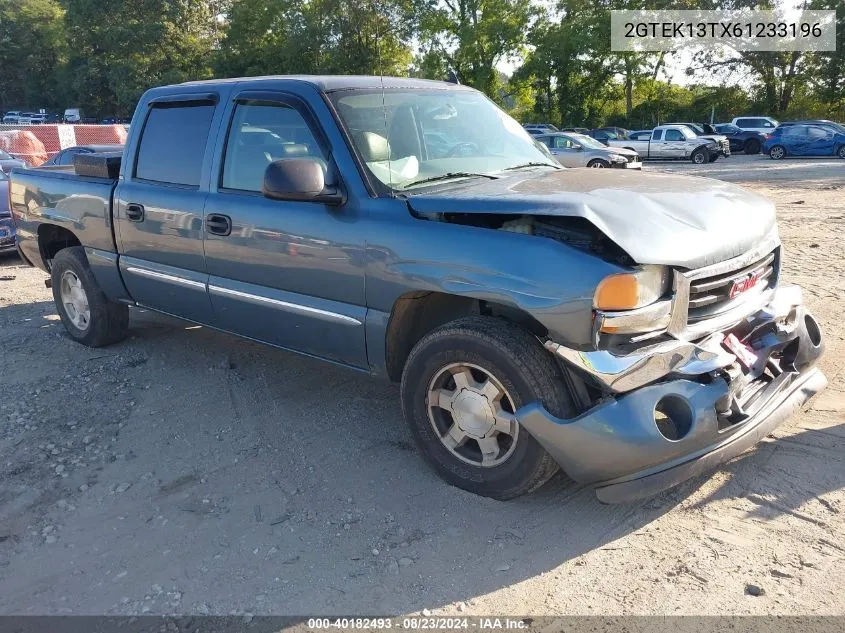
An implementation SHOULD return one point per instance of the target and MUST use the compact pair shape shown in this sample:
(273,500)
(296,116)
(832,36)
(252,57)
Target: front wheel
(87,315)
(461,386)
(699,157)
(777,152)
(598,163)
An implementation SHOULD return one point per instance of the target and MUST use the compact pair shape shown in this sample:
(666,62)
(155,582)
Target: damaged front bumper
(678,409)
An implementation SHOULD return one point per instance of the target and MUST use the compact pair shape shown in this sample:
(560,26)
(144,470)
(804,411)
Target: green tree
(472,36)
(321,36)
(32,48)
(118,53)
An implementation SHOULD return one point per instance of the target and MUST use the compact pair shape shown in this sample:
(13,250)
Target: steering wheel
(465,148)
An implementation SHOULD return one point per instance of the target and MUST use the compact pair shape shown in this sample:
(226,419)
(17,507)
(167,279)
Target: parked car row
(689,140)
(71,115)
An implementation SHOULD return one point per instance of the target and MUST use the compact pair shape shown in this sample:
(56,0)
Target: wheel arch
(415,314)
(52,238)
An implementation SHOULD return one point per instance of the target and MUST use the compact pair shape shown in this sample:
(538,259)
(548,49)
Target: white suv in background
(762,124)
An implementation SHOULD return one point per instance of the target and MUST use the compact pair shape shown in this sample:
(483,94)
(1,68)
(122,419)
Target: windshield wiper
(454,174)
(534,164)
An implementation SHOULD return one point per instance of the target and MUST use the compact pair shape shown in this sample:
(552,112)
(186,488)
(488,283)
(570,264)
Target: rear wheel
(598,163)
(87,315)
(752,146)
(841,151)
(777,152)
(461,386)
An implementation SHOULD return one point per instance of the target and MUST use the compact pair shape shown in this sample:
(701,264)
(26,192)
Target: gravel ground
(186,471)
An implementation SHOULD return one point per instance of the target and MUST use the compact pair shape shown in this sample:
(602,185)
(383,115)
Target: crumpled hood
(684,221)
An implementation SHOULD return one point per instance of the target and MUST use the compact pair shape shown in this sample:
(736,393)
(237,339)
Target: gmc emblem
(745,283)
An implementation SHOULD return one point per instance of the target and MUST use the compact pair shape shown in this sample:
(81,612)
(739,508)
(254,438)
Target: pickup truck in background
(705,130)
(669,142)
(628,328)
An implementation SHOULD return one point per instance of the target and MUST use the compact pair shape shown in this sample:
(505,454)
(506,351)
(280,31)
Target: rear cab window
(172,145)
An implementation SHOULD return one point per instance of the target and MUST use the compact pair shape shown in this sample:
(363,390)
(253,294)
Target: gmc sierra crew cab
(630,329)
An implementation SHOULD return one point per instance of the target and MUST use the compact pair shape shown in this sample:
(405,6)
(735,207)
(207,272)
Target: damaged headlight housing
(632,290)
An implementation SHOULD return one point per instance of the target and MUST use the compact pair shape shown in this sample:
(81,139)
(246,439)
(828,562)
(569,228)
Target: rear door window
(173,142)
(746,123)
(657,135)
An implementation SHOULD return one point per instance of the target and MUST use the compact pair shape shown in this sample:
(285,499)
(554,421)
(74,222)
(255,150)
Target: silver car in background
(579,150)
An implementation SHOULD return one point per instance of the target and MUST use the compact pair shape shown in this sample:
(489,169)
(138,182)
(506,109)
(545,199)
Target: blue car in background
(805,140)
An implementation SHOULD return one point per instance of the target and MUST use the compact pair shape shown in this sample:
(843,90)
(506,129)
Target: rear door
(159,206)
(288,273)
(566,151)
(795,138)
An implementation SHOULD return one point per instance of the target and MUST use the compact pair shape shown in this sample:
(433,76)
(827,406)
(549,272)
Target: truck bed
(63,198)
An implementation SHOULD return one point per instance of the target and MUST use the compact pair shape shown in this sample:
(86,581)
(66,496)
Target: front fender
(551,281)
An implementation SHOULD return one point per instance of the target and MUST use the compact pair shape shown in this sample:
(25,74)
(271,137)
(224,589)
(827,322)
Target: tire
(841,151)
(777,152)
(752,146)
(699,156)
(598,163)
(513,359)
(106,322)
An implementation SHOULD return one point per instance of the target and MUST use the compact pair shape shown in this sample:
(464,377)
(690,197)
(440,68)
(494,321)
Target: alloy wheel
(472,414)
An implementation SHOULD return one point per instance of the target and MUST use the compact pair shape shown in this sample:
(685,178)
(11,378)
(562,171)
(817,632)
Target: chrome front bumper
(718,406)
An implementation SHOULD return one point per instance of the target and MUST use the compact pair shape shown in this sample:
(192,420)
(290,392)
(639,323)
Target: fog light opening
(673,417)
(813,331)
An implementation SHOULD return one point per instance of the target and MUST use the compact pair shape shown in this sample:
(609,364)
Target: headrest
(291,150)
(373,147)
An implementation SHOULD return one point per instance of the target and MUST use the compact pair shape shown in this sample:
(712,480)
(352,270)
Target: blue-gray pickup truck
(627,328)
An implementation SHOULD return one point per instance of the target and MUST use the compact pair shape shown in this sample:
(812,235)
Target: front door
(674,144)
(288,273)
(159,206)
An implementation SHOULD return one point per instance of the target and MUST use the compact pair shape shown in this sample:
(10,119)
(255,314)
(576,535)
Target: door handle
(135,212)
(218,224)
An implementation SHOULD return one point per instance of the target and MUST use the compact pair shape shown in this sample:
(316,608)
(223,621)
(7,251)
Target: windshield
(408,138)
(587,141)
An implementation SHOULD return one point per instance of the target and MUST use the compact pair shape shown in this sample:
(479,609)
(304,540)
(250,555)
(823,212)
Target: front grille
(710,296)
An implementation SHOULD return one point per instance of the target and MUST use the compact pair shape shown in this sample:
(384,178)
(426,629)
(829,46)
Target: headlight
(616,158)
(628,291)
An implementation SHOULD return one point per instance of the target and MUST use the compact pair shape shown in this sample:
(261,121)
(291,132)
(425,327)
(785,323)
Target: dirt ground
(186,471)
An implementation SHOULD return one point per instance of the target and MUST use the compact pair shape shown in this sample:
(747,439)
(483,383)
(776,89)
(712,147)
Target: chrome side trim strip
(285,305)
(152,274)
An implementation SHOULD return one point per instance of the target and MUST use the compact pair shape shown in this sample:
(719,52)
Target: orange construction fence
(36,143)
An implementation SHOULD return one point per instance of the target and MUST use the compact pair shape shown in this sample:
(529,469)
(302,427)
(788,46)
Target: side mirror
(578,148)
(301,179)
